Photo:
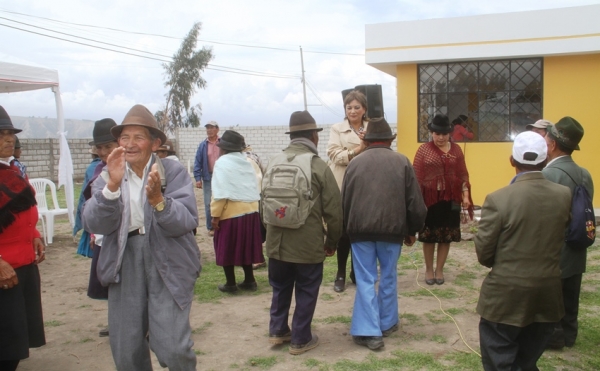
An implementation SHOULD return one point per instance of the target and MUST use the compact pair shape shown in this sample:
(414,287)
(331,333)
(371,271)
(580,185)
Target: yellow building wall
(571,87)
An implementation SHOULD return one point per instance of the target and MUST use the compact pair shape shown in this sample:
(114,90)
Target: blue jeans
(375,311)
(207,190)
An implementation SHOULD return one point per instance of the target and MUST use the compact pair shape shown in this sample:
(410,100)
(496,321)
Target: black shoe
(248,286)
(340,284)
(371,342)
(389,331)
(103,333)
(227,288)
(352,277)
(280,339)
(296,349)
(557,339)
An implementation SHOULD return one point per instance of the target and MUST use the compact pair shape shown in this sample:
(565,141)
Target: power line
(209,67)
(321,100)
(179,38)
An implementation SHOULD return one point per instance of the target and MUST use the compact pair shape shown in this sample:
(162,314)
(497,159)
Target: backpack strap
(577,184)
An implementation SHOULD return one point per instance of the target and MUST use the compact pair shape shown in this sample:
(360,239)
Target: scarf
(234,179)
(306,142)
(16,195)
(442,175)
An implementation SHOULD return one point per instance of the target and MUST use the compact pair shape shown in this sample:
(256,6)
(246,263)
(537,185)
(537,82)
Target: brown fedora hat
(379,129)
(302,121)
(168,147)
(139,115)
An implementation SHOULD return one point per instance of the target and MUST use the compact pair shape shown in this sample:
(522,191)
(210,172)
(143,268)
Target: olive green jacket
(520,236)
(572,261)
(323,226)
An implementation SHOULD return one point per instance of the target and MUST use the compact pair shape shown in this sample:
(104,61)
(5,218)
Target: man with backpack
(562,139)
(299,194)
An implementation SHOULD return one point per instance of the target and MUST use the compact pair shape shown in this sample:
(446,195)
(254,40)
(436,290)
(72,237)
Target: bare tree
(183,77)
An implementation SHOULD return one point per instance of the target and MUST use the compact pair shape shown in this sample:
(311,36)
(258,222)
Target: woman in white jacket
(345,143)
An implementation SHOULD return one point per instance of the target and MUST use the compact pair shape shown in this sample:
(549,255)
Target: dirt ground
(229,332)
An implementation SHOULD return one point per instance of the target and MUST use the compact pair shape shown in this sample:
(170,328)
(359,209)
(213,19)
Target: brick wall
(41,155)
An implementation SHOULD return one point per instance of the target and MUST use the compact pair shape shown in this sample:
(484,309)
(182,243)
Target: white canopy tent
(18,75)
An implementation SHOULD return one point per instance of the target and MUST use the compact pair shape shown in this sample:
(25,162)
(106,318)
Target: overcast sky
(98,83)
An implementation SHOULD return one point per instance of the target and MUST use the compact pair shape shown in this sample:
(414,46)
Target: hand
(215,223)
(40,250)
(8,276)
(329,252)
(409,240)
(115,164)
(153,193)
(92,241)
(465,202)
(199,184)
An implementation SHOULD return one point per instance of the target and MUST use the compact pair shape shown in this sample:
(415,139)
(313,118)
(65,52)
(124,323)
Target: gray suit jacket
(168,235)
(520,237)
(572,261)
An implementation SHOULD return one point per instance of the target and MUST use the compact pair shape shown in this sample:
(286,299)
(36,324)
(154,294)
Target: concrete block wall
(41,155)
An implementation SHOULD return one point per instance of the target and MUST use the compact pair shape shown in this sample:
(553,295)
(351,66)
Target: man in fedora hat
(17,156)
(150,259)
(562,139)
(167,150)
(296,255)
(519,238)
(377,224)
(206,156)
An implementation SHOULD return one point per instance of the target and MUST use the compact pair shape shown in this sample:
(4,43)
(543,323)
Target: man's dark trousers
(306,279)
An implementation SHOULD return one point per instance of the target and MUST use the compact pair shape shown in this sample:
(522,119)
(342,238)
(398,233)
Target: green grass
(410,318)
(335,319)
(212,275)
(53,323)
(201,329)
(439,339)
(262,362)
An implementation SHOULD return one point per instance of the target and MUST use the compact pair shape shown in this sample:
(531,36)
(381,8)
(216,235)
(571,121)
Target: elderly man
(520,237)
(296,255)
(562,139)
(167,150)
(396,212)
(149,258)
(206,156)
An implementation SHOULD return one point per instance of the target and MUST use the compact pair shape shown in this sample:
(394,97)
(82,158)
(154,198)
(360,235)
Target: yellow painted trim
(481,43)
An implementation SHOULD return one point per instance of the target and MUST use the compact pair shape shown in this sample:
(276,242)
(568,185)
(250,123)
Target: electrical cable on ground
(438,299)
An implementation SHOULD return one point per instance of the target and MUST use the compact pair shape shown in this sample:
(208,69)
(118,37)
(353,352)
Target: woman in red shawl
(442,174)
(21,249)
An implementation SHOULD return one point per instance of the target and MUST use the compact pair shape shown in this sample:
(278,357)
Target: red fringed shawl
(442,175)
(16,195)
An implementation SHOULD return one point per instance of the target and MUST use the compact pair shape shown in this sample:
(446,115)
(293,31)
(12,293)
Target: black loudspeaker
(374,99)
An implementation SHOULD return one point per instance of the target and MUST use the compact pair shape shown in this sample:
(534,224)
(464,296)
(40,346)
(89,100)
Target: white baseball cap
(529,148)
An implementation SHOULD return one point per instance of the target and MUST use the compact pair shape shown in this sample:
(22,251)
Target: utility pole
(303,80)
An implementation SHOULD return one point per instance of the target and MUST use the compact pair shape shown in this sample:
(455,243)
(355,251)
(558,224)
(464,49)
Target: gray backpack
(286,190)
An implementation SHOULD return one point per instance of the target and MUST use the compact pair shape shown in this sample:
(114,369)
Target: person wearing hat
(167,150)
(150,260)
(204,163)
(296,255)
(17,156)
(539,127)
(21,250)
(460,132)
(562,139)
(442,174)
(377,224)
(520,237)
(345,143)
(234,212)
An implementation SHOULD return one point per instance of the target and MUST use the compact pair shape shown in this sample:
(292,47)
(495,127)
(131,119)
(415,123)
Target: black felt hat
(379,129)
(566,131)
(6,123)
(302,121)
(232,141)
(440,124)
(101,133)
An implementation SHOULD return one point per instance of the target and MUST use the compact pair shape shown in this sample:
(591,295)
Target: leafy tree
(183,77)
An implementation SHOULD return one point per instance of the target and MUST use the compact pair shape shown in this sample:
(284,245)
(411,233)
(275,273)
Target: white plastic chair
(40,185)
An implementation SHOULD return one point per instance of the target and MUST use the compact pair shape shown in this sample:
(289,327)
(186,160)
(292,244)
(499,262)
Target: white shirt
(554,159)
(137,195)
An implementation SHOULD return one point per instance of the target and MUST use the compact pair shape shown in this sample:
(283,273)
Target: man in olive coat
(562,139)
(296,255)
(520,236)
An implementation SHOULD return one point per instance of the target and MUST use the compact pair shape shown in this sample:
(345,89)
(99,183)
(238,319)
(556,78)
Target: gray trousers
(141,304)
